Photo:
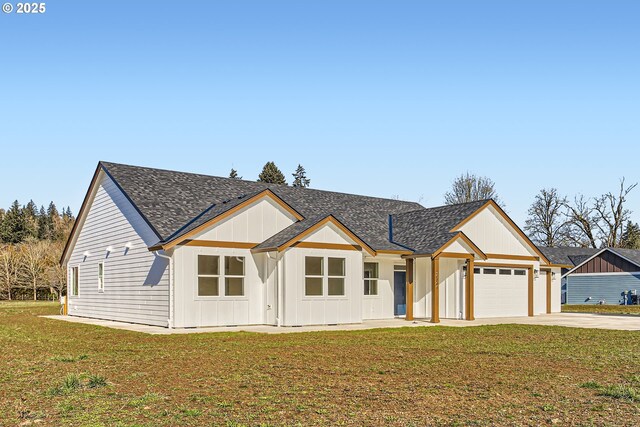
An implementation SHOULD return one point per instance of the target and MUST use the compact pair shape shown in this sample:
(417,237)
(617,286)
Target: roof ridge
(265,184)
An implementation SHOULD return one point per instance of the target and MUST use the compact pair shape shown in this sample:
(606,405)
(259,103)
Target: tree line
(31,243)
(271,174)
(554,219)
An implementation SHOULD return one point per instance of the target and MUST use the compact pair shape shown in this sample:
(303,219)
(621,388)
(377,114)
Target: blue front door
(399,293)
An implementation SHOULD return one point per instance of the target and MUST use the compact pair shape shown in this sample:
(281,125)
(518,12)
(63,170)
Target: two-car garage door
(501,292)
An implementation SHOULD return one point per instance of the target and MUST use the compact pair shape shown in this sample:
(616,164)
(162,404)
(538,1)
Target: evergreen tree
(30,212)
(44,225)
(14,226)
(234,174)
(68,214)
(271,174)
(52,211)
(300,177)
(631,236)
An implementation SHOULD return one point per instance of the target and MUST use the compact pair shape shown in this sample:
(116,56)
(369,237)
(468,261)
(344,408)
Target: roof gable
(609,260)
(174,201)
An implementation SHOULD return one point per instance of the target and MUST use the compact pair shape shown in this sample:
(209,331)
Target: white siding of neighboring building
(135,280)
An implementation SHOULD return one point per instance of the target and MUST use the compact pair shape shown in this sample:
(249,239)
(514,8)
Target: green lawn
(56,373)
(603,309)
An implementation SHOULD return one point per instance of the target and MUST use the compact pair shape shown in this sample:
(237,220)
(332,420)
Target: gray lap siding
(607,287)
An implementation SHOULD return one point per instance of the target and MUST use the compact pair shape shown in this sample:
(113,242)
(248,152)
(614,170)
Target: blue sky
(372,97)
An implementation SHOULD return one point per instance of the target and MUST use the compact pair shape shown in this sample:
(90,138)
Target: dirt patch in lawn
(58,373)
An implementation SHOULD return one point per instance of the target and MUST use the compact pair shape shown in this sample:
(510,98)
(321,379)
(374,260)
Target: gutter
(170,319)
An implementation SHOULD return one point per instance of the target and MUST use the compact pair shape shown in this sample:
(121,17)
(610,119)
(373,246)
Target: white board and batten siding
(380,306)
(300,309)
(252,224)
(135,280)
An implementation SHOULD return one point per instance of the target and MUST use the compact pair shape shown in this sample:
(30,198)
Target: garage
(501,291)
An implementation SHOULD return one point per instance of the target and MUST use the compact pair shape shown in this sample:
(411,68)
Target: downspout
(278,288)
(170,320)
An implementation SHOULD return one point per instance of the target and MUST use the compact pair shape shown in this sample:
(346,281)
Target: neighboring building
(182,250)
(598,276)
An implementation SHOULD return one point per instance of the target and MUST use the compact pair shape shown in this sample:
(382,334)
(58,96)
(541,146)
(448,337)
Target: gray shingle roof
(567,255)
(290,232)
(632,255)
(175,202)
(426,230)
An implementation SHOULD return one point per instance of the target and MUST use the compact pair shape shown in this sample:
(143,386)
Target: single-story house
(598,276)
(184,250)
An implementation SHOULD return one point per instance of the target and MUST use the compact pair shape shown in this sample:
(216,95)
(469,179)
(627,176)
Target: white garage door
(501,292)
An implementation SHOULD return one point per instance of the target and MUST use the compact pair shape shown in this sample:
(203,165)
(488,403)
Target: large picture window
(371,278)
(208,275)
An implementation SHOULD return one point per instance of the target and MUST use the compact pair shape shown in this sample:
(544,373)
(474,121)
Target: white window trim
(343,277)
(74,281)
(221,280)
(234,276)
(371,279)
(101,280)
(325,280)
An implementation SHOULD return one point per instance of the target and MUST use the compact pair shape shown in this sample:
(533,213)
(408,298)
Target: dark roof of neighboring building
(175,202)
(426,230)
(632,255)
(566,255)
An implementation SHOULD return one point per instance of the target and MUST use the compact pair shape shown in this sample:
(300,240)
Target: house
(184,250)
(598,276)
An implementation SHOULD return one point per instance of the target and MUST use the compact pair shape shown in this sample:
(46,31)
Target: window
(476,270)
(234,276)
(101,277)
(504,272)
(208,275)
(371,278)
(313,275)
(336,276)
(519,272)
(489,271)
(74,281)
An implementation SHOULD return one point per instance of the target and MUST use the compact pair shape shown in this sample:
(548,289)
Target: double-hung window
(210,276)
(313,275)
(336,276)
(371,278)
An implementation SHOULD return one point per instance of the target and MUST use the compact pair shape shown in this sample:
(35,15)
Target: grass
(602,309)
(481,376)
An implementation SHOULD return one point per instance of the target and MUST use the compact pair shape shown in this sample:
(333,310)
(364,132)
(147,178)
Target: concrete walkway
(574,320)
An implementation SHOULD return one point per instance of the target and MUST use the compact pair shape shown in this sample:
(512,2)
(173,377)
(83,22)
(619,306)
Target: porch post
(409,289)
(470,315)
(435,290)
(530,291)
(549,276)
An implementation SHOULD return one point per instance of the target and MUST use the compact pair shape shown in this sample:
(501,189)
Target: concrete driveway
(573,320)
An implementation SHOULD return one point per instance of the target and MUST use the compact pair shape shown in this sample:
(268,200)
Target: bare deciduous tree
(547,225)
(9,268)
(582,222)
(469,187)
(612,215)
(35,254)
